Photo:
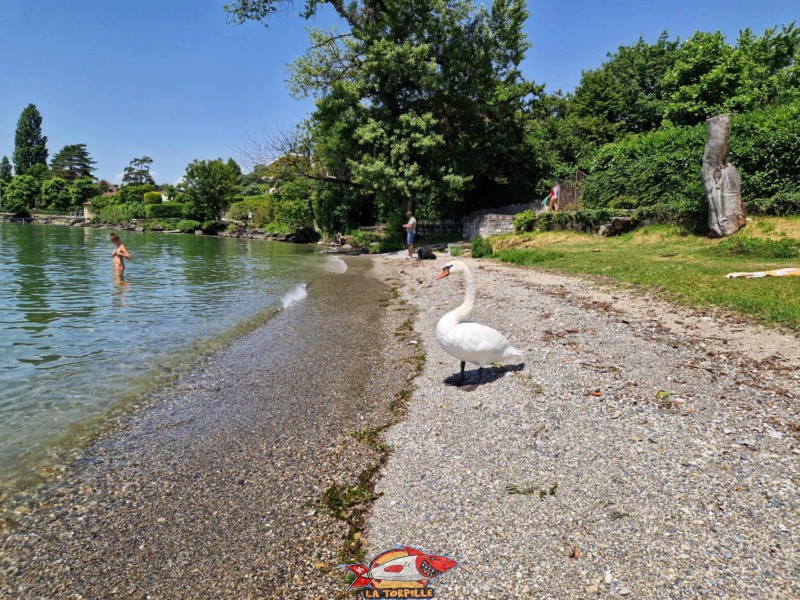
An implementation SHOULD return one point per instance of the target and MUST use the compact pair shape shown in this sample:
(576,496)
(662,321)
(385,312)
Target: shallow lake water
(75,340)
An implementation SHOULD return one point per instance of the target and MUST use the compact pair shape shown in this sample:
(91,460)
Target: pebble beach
(640,450)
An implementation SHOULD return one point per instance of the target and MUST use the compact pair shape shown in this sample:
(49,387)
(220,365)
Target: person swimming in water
(119,254)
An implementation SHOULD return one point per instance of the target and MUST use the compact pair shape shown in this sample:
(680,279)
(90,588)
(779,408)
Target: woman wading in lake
(119,254)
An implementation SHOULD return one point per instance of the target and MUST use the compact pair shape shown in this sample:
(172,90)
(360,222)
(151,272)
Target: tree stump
(721,180)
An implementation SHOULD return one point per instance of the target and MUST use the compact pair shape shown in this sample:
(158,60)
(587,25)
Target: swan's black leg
(463,364)
(480,374)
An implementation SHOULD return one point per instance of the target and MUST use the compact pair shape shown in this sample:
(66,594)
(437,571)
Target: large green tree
(418,103)
(30,146)
(6,172)
(21,194)
(72,162)
(625,94)
(54,194)
(138,172)
(210,187)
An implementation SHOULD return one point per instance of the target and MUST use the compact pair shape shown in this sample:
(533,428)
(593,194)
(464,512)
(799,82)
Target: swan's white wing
(475,343)
(479,337)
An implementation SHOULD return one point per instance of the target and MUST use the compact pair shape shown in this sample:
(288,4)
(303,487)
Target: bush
(456,251)
(362,239)
(117,214)
(133,193)
(741,245)
(481,247)
(152,198)
(779,205)
(663,168)
(165,210)
(525,221)
(255,210)
(188,225)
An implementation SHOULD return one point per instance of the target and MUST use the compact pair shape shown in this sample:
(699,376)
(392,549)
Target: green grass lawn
(690,269)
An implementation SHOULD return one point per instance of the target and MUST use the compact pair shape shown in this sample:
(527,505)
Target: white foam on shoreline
(295,295)
(334,264)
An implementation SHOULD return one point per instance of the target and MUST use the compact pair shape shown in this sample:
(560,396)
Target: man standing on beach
(411,232)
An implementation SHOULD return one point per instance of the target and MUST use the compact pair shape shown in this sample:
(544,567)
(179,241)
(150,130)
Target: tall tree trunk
(721,180)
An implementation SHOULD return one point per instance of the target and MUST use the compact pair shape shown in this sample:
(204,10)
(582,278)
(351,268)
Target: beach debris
(575,552)
(597,394)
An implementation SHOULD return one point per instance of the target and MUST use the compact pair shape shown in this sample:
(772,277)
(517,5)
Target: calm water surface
(74,341)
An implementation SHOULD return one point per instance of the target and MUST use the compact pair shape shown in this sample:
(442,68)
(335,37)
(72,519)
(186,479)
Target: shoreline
(521,430)
(217,487)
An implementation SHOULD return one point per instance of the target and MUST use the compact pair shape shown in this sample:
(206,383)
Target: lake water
(75,341)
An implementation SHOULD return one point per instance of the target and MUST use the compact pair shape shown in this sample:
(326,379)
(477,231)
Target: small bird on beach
(470,342)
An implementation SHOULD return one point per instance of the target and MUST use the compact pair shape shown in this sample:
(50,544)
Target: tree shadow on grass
(490,374)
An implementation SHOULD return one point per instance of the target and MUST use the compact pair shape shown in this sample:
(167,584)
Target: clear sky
(172,80)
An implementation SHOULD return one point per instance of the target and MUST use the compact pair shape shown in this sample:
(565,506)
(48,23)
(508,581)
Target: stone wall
(493,221)
(437,227)
(487,225)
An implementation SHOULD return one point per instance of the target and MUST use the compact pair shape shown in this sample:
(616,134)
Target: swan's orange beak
(443,274)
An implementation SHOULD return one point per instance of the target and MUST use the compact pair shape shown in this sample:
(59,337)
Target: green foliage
(256,210)
(30,146)
(72,162)
(20,195)
(118,214)
(711,77)
(152,198)
(660,173)
(625,93)
(525,221)
(782,203)
(133,193)
(81,190)
(55,194)
(210,187)
(765,146)
(5,170)
(277,212)
(188,225)
(39,172)
(481,247)
(362,239)
(741,245)
(165,210)
(456,251)
(138,172)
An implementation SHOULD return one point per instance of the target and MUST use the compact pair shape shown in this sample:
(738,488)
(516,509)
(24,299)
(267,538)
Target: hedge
(663,168)
(166,210)
(116,214)
(152,198)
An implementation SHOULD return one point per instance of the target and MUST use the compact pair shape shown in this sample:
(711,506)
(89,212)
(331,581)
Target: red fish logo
(401,569)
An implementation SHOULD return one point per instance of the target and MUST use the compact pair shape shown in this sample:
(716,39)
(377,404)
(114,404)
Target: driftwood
(721,180)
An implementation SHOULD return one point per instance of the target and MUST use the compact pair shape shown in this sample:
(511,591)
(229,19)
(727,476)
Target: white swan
(466,341)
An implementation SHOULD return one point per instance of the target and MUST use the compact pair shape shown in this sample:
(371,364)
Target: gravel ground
(214,491)
(643,451)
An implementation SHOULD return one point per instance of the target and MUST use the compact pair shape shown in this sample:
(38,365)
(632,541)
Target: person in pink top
(555,191)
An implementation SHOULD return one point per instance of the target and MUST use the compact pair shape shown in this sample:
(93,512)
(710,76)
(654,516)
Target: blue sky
(172,80)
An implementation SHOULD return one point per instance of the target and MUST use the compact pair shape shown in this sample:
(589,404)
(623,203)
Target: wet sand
(215,490)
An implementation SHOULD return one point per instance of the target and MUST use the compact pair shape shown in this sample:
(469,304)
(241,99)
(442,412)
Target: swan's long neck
(462,312)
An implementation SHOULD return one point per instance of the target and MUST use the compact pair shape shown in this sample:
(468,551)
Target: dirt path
(644,450)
